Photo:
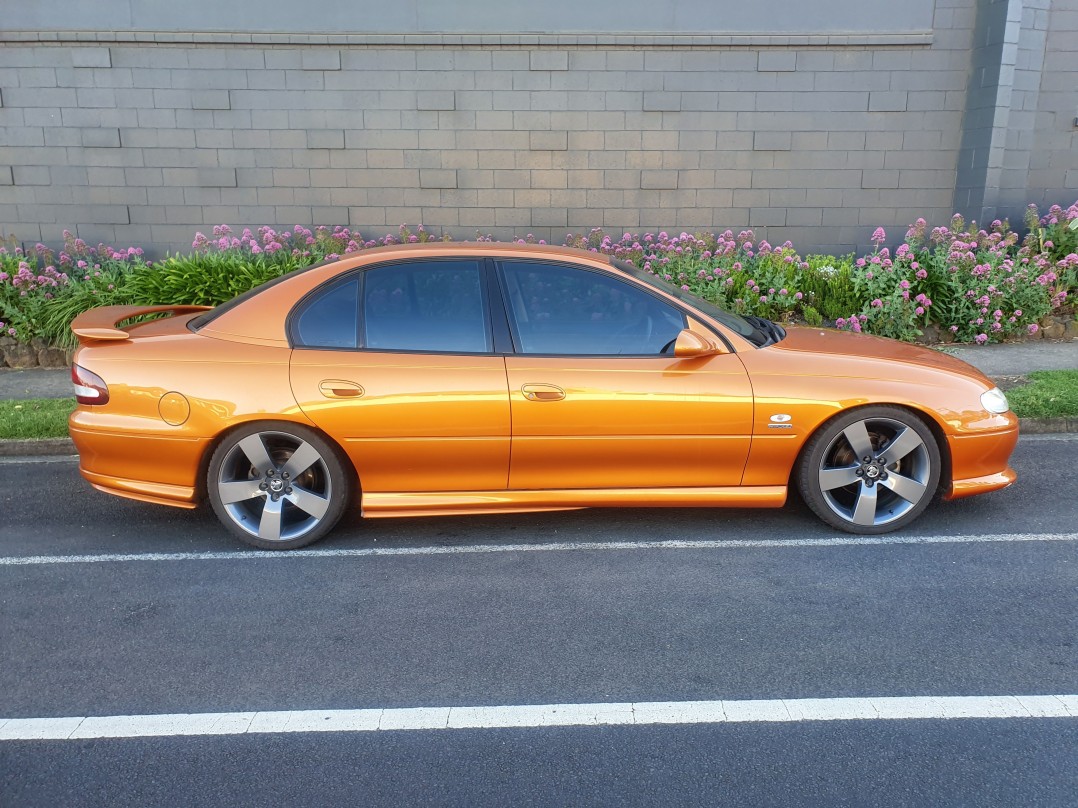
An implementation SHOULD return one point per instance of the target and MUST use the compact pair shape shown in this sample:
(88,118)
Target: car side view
(480,378)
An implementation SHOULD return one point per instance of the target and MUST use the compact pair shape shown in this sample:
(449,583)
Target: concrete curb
(39,447)
(43,447)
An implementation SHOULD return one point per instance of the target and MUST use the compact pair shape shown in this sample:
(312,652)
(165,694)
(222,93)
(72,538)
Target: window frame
(301,306)
(613,276)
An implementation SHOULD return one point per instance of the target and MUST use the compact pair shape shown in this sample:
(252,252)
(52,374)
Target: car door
(396,363)
(596,403)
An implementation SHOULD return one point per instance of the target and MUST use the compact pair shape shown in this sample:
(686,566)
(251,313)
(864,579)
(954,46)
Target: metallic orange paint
(437,433)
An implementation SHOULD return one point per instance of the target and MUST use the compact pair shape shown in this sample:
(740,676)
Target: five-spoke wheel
(278,485)
(871,470)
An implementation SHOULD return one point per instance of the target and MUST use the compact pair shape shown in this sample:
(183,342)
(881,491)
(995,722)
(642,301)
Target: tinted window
(562,310)
(329,321)
(425,306)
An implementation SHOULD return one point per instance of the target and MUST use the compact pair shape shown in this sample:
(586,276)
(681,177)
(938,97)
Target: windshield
(752,331)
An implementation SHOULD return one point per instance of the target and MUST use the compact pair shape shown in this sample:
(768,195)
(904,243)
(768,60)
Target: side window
(577,312)
(330,320)
(425,306)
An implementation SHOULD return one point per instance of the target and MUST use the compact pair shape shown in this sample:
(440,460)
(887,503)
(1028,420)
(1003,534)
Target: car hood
(830,342)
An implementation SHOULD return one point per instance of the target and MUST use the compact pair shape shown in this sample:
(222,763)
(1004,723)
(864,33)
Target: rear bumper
(152,468)
(176,495)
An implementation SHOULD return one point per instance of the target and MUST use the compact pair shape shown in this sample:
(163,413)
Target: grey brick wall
(144,138)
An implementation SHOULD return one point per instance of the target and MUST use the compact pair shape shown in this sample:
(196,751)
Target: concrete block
(90,57)
(95,214)
(879,179)
(662,101)
(776,61)
(436,100)
(325,138)
(210,99)
(319,58)
(548,60)
(101,138)
(893,101)
(653,180)
(216,177)
(7,177)
(549,178)
(29,175)
(771,141)
(437,178)
(550,217)
(549,141)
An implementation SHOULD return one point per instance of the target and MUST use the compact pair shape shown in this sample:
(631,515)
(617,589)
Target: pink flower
(1033,328)
(879,236)
(919,310)
(981,339)
(877,303)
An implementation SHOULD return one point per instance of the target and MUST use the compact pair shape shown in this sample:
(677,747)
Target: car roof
(260,318)
(480,247)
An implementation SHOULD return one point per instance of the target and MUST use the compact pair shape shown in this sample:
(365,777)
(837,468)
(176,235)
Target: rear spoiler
(100,323)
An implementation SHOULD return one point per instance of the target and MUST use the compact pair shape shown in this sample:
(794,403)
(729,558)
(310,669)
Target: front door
(395,362)
(595,401)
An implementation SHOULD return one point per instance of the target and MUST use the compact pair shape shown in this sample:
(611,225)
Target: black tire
(296,467)
(846,478)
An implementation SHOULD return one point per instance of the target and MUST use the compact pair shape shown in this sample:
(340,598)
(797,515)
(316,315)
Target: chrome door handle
(542,392)
(338,388)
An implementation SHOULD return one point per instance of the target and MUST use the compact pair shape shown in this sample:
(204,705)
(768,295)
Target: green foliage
(978,284)
(1050,394)
(812,317)
(206,279)
(828,282)
(35,418)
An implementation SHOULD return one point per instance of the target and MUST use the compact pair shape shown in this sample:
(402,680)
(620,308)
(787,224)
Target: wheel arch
(930,421)
(213,444)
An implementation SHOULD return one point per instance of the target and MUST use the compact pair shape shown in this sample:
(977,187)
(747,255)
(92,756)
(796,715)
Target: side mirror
(689,344)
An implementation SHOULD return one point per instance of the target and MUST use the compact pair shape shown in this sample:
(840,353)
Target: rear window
(196,324)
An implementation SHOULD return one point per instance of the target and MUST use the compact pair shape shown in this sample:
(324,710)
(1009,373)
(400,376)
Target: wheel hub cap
(276,485)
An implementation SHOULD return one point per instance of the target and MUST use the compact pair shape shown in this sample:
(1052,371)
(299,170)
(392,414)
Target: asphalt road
(561,626)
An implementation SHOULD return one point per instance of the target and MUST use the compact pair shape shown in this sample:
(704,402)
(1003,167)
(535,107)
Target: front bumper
(979,461)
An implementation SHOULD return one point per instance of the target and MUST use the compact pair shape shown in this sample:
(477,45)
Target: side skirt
(443,503)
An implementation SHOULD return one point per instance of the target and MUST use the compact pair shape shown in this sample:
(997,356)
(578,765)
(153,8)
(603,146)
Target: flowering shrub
(977,285)
(732,271)
(40,291)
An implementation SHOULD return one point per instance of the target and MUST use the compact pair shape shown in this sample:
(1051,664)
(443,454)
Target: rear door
(396,363)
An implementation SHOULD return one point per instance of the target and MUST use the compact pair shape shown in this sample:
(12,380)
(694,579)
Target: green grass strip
(35,418)
(1049,394)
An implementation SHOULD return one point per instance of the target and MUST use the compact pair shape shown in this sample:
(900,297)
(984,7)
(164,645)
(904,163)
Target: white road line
(547,547)
(540,715)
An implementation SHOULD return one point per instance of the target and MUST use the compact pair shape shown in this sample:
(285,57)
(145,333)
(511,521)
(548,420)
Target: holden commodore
(480,378)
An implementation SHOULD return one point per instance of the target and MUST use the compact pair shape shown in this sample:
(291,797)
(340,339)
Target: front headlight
(995,401)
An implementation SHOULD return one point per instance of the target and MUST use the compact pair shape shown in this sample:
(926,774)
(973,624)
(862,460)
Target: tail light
(89,387)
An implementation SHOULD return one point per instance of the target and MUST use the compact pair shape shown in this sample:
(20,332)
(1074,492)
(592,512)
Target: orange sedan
(481,378)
